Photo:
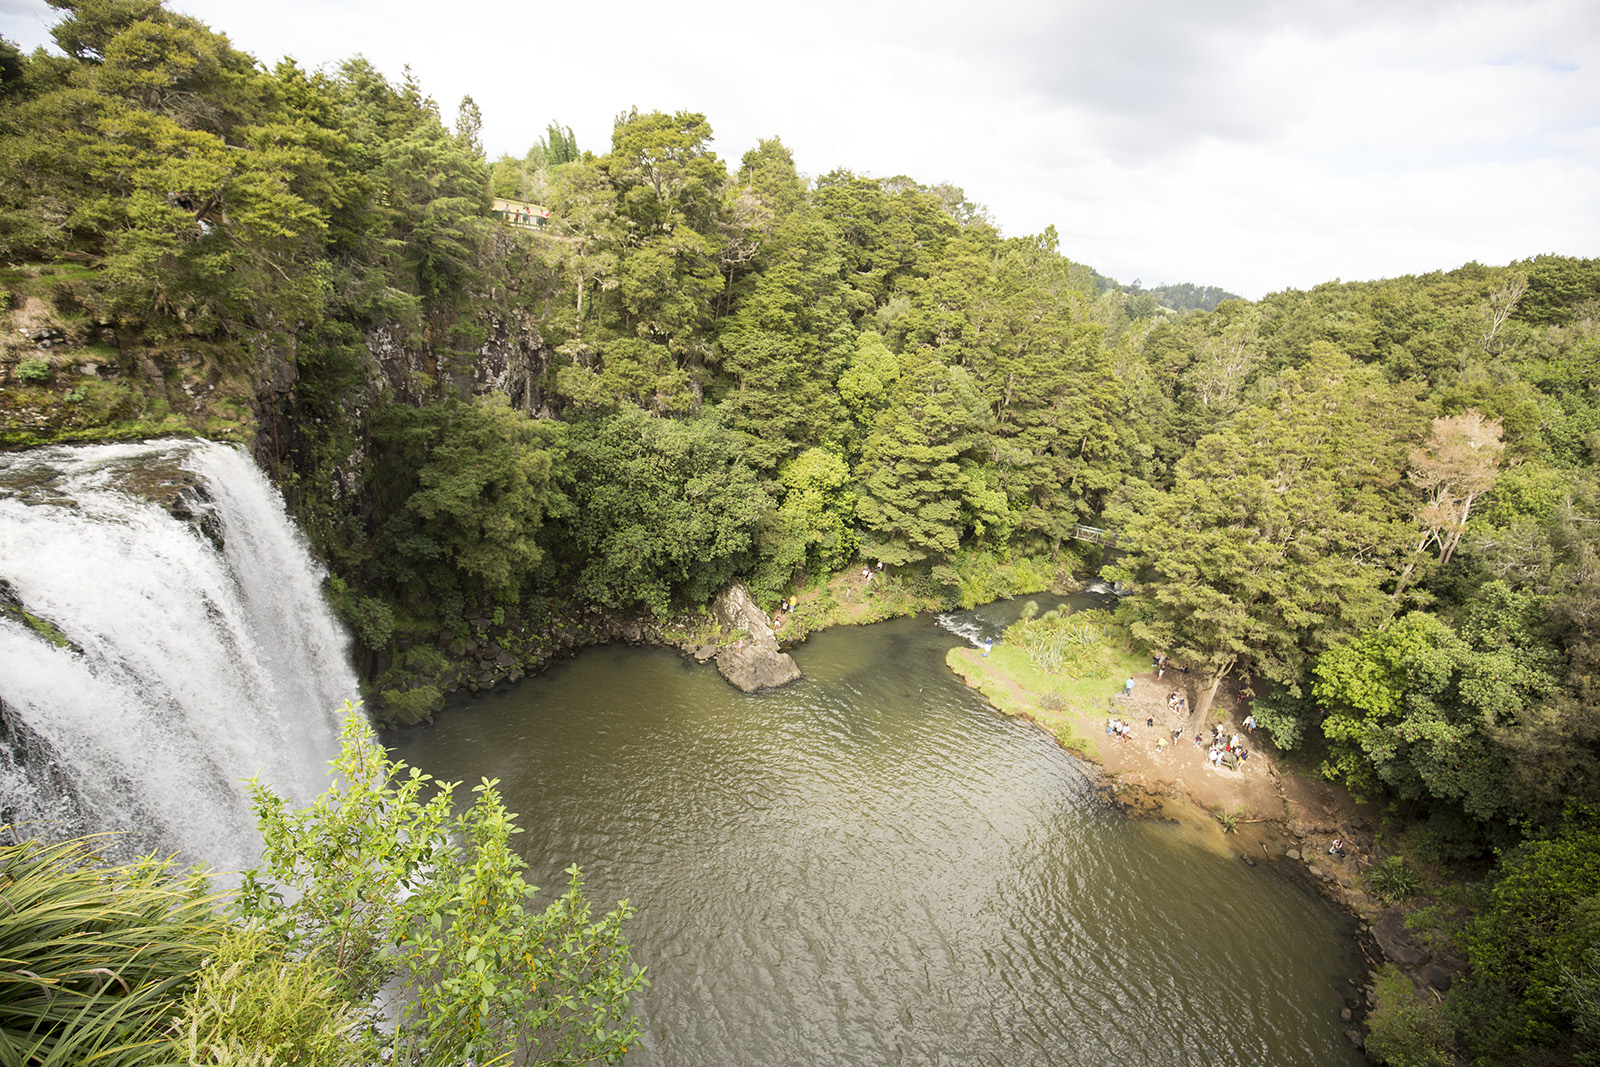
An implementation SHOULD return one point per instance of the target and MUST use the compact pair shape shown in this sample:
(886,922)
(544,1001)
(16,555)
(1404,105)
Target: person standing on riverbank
(1127,688)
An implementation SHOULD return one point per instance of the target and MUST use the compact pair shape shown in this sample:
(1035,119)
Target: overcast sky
(1256,145)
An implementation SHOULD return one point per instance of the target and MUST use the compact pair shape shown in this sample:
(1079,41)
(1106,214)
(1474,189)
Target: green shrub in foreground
(94,958)
(381,878)
(253,1006)
(374,882)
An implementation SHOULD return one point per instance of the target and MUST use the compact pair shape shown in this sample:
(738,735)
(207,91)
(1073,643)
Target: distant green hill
(1182,296)
(1186,296)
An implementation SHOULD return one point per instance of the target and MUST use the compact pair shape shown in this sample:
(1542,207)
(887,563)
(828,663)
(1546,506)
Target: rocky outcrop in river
(755,662)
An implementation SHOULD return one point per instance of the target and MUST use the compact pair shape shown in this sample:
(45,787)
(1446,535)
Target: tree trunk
(1448,549)
(1208,696)
(577,324)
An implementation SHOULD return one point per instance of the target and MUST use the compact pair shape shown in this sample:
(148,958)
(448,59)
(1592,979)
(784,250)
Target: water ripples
(872,867)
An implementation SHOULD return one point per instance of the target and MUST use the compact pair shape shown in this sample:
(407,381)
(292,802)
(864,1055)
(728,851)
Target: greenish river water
(873,867)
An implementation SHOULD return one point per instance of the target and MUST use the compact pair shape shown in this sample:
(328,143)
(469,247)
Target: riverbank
(1148,768)
(1143,771)
(1263,812)
(408,676)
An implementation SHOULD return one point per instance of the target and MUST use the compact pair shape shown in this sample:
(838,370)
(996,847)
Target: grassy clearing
(849,598)
(1070,707)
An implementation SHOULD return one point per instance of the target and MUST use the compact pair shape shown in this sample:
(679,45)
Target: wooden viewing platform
(520,213)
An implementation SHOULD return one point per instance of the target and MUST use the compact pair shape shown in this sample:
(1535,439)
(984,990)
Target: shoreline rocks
(484,654)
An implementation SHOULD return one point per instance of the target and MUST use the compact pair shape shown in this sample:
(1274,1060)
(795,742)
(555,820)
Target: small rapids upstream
(181,646)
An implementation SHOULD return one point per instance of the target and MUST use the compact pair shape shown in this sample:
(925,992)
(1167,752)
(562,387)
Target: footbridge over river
(1095,535)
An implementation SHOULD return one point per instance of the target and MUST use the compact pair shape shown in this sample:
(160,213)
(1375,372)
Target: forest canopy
(1371,505)
(695,370)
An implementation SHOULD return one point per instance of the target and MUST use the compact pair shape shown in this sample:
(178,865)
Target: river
(873,867)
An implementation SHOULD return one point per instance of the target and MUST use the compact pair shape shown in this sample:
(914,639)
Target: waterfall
(163,638)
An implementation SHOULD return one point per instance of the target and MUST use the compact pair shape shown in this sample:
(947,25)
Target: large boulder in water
(756,662)
(751,669)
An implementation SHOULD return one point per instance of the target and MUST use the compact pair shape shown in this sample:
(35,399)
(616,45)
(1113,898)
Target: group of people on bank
(1225,749)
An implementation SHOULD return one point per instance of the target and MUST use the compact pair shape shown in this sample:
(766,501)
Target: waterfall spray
(163,637)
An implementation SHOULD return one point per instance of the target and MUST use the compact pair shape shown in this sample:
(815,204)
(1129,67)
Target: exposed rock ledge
(755,662)
(484,654)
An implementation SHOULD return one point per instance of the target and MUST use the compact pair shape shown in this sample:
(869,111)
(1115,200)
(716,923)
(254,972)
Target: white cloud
(1255,145)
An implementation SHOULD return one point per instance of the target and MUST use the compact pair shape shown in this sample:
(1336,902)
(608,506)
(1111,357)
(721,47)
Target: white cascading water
(189,668)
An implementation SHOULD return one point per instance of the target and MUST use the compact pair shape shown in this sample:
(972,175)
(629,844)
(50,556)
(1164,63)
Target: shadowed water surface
(872,867)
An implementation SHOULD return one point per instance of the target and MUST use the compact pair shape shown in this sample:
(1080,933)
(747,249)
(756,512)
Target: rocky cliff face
(68,375)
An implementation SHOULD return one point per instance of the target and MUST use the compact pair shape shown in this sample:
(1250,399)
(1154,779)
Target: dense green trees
(469,487)
(725,374)
(1535,952)
(1374,501)
(173,159)
(1278,534)
(662,510)
(1417,707)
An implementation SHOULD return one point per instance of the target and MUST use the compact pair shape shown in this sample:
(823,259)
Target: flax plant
(94,958)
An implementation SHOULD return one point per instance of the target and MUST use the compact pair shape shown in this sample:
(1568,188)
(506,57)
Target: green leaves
(471,486)
(437,196)
(662,509)
(1528,945)
(1420,709)
(93,957)
(498,978)
(251,1004)
(664,170)
(1278,534)
(920,487)
(169,155)
(376,880)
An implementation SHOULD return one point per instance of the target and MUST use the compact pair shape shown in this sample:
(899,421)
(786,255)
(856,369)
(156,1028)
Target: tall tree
(924,489)
(1279,532)
(663,509)
(888,234)
(785,346)
(1060,441)
(560,146)
(467,485)
(469,128)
